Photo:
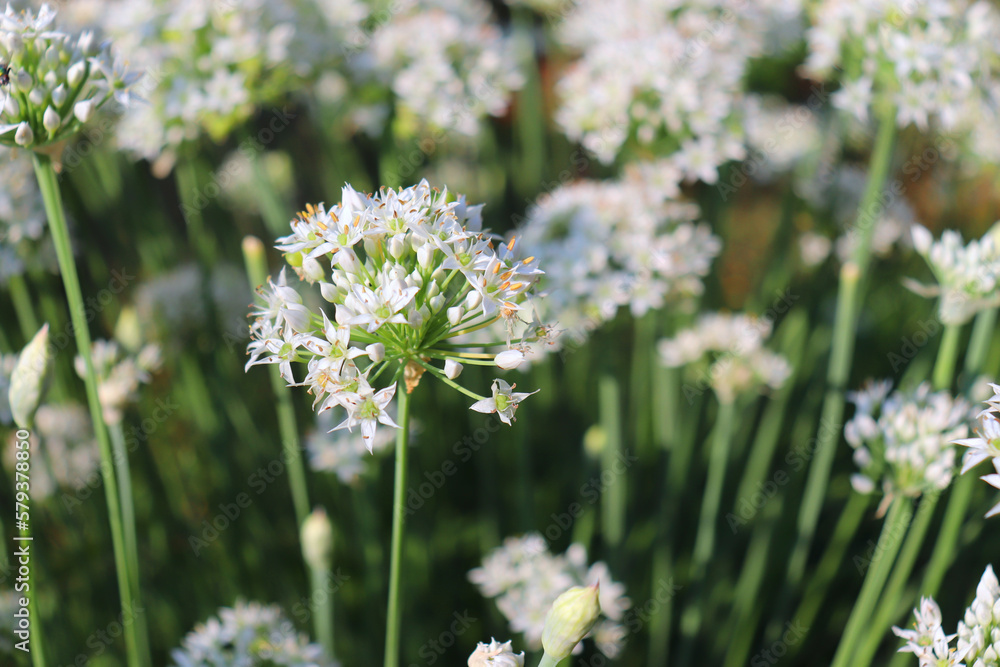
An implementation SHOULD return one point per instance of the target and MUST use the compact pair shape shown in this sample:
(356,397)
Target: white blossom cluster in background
(249,634)
(904,441)
(986,444)
(57,80)
(726,352)
(937,62)
(22,217)
(409,274)
(64,437)
(446,61)
(968,276)
(525,578)
(119,374)
(978,632)
(668,73)
(208,66)
(779,135)
(609,244)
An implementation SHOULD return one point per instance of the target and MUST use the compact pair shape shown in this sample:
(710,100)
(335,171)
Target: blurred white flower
(525,578)
(119,374)
(496,654)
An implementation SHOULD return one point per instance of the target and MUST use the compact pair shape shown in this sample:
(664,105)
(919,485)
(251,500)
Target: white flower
(496,654)
(373,308)
(504,402)
(509,359)
(368,410)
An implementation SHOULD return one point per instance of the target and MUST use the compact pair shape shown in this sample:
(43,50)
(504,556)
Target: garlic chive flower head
(904,439)
(525,578)
(978,632)
(725,352)
(406,276)
(968,276)
(496,654)
(986,444)
(57,80)
(665,74)
(249,634)
(935,62)
(606,245)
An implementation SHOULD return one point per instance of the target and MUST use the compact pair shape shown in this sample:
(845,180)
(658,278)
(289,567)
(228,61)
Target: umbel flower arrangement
(411,277)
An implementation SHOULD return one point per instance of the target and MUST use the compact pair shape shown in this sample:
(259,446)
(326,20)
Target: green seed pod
(29,379)
(572,616)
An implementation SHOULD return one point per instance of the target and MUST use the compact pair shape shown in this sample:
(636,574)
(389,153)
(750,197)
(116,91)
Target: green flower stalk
(317,551)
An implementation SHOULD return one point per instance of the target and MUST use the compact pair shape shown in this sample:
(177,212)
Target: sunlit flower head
(904,441)
(407,276)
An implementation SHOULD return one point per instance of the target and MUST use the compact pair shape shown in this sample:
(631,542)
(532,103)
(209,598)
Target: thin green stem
(944,365)
(718,460)
(884,614)
(845,328)
(900,513)
(124,477)
(614,495)
(48,184)
(22,305)
(323,618)
(548,661)
(398,499)
(979,344)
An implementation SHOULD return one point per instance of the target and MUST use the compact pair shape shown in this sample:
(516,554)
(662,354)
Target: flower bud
(83,110)
(59,95)
(27,382)
(436,302)
(12,107)
(23,81)
(473,300)
(509,359)
(415,319)
(317,540)
(452,369)
(375,352)
(51,120)
(36,96)
(24,135)
(330,291)
(86,42)
(311,270)
(397,247)
(76,73)
(571,617)
(496,654)
(455,315)
(425,255)
(348,260)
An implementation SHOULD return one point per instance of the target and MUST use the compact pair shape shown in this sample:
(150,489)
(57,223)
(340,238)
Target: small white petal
(509,359)
(452,369)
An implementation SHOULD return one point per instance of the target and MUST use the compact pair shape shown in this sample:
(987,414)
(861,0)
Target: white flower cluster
(987,443)
(408,272)
(525,578)
(70,450)
(978,632)
(249,634)
(210,65)
(668,73)
(496,654)
(779,135)
(726,352)
(57,80)
(608,244)
(119,374)
(446,61)
(968,275)
(936,61)
(904,439)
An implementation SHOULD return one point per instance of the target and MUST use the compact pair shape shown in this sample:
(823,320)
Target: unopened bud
(84,110)
(375,352)
(27,382)
(317,540)
(51,120)
(24,136)
(571,617)
(452,369)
